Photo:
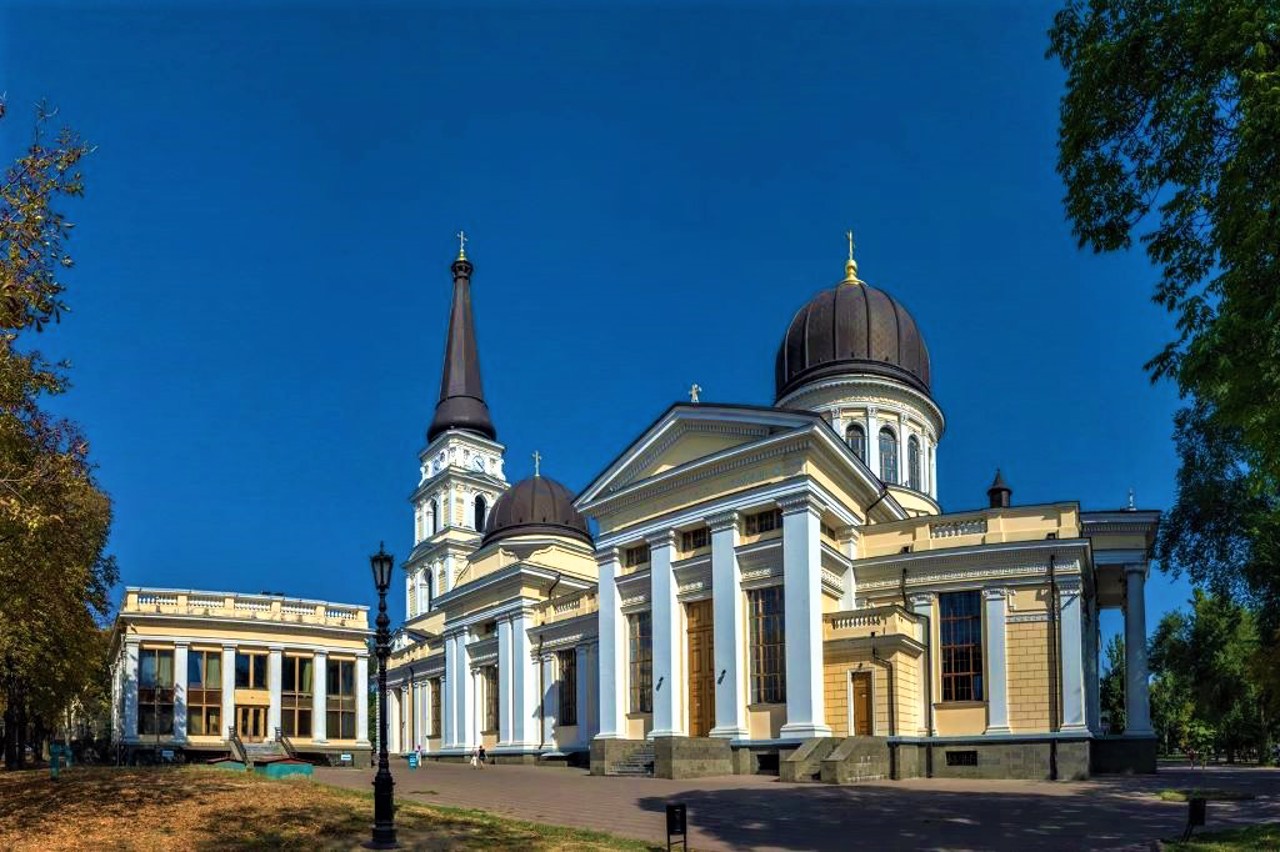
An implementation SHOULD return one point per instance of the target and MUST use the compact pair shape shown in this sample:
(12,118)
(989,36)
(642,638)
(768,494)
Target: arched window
(888,456)
(435,516)
(481,508)
(856,437)
(913,463)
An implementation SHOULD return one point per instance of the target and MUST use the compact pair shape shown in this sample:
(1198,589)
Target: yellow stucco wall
(1028,671)
(837,666)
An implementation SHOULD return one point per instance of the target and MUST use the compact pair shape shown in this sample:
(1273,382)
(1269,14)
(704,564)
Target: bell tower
(461,468)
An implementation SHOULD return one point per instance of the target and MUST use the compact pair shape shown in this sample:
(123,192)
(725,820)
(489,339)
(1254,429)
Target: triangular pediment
(687,433)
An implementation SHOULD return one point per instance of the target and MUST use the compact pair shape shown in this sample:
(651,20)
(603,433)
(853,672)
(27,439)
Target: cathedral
(765,588)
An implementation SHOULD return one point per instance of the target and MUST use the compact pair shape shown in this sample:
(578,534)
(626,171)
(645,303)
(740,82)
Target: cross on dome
(537,463)
(850,265)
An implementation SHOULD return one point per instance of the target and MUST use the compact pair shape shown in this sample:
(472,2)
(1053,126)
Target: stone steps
(638,764)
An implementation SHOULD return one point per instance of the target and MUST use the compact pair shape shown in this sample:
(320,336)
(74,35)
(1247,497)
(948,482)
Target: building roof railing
(260,607)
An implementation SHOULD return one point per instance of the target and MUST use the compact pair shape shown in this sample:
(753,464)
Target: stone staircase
(264,752)
(637,764)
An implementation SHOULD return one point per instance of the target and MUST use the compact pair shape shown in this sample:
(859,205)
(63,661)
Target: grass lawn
(1265,836)
(200,808)
(1203,793)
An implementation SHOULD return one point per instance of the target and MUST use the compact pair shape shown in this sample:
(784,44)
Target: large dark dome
(536,505)
(852,328)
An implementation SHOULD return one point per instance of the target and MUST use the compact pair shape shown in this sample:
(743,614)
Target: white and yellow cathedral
(770,588)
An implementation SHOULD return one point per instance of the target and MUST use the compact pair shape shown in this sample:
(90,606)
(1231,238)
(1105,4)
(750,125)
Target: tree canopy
(55,579)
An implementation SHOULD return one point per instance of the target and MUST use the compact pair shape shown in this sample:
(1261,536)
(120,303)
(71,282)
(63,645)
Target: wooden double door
(701,669)
(251,722)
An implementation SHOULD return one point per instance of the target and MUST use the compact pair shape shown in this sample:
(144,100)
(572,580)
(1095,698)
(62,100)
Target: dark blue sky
(262,281)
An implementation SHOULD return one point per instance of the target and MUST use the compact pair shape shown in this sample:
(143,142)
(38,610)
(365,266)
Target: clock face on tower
(478,463)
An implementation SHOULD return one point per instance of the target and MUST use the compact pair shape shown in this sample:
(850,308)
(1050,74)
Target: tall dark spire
(461,404)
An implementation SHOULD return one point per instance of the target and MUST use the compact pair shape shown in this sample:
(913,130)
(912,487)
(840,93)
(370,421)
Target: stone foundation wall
(1124,754)
(691,757)
(1025,759)
(858,759)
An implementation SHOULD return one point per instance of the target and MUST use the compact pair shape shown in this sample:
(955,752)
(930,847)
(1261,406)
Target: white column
(802,617)
(180,652)
(228,688)
(524,683)
(1072,655)
(130,689)
(922,604)
(729,629)
(668,716)
(393,719)
(550,700)
(582,666)
(997,662)
(319,696)
(1137,705)
(362,699)
(409,599)
(275,674)
(449,698)
(474,721)
(902,449)
(464,695)
(873,441)
(506,683)
(613,650)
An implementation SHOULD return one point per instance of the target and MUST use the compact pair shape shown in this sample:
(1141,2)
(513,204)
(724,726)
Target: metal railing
(237,745)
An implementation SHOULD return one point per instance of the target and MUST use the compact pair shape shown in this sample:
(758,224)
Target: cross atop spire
(850,265)
(462,246)
(537,463)
(694,392)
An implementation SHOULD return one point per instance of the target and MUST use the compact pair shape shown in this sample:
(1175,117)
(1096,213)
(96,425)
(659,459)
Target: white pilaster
(1072,655)
(319,697)
(1137,703)
(593,689)
(549,701)
(393,719)
(362,699)
(506,685)
(524,683)
(613,649)
(997,662)
(180,651)
(130,689)
(922,605)
(228,688)
(873,440)
(275,674)
(802,614)
(582,671)
(902,449)
(729,629)
(474,720)
(1093,686)
(668,718)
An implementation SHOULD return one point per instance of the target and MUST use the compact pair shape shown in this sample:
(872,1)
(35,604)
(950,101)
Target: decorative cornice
(1027,618)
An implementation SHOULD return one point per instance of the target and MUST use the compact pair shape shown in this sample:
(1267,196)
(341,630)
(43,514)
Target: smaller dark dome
(536,505)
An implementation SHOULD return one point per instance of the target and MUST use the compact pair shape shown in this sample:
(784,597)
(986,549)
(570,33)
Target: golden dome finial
(850,265)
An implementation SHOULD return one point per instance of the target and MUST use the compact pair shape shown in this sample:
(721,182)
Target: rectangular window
(204,693)
(633,556)
(434,686)
(694,539)
(490,675)
(568,661)
(762,522)
(340,699)
(155,691)
(251,670)
(961,644)
(295,696)
(768,646)
(640,630)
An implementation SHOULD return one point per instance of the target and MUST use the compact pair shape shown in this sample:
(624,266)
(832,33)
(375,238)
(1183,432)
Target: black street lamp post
(384,818)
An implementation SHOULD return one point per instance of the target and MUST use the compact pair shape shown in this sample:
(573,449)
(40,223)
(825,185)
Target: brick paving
(757,812)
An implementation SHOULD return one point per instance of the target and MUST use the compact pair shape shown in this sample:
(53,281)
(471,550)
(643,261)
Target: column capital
(1136,569)
(230,646)
(322,652)
(181,643)
(720,521)
(608,554)
(792,504)
(662,538)
(922,599)
(275,648)
(133,640)
(995,593)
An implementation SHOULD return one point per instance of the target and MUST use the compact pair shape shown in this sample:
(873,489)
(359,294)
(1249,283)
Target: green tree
(1112,685)
(1207,659)
(54,519)
(1167,135)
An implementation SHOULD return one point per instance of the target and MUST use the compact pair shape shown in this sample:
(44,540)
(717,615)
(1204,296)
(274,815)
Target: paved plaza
(758,812)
